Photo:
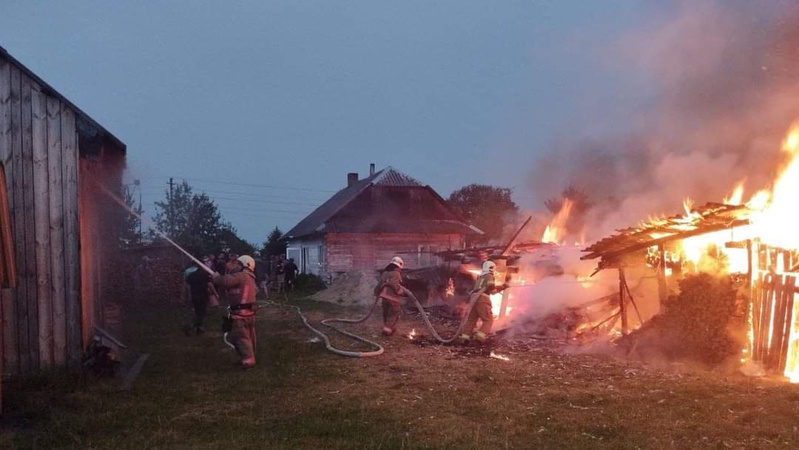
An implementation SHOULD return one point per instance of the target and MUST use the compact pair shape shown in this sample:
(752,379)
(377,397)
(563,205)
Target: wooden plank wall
(39,149)
(353,251)
(772,319)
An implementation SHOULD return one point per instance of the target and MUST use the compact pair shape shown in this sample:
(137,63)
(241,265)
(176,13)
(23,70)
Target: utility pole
(137,183)
(171,210)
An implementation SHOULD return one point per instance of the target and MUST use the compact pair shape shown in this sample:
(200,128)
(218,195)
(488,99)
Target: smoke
(726,84)
(561,280)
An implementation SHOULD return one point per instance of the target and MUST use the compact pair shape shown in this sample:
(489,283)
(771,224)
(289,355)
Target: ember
(498,356)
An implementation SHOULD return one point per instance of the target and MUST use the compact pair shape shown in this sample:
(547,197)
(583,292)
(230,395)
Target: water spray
(127,208)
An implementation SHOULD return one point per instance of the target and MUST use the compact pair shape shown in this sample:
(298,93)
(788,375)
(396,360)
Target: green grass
(191,395)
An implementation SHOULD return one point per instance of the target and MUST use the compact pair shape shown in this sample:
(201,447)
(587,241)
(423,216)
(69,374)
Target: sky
(266,106)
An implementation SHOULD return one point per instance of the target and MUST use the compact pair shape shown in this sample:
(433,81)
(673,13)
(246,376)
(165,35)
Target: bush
(309,283)
(700,324)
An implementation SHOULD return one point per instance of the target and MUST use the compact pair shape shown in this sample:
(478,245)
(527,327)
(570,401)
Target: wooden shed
(372,219)
(770,275)
(53,158)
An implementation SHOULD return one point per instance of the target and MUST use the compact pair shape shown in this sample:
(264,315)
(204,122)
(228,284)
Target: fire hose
(379,348)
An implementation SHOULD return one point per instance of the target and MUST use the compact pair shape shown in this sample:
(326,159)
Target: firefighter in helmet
(241,311)
(391,291)
(482,307)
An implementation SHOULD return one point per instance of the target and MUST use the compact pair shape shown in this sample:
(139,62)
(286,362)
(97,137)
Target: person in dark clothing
(290,274)
(197,281)
(261,279)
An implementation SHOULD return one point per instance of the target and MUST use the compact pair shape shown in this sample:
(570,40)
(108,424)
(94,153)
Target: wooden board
(69,166)
(5,152)
(56,212)
(41,227)
(27,207)
(18,358)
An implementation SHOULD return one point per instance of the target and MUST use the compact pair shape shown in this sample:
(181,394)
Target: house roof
(322,218)
(86,126)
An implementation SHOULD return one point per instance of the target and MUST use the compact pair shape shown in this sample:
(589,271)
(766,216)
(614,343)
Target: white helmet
(488,267)
(247,262)
(397,261)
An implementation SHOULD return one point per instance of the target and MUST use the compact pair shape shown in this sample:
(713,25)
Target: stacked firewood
(145,281)
(702,323)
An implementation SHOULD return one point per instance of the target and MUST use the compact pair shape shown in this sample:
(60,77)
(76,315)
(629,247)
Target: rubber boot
(248,363)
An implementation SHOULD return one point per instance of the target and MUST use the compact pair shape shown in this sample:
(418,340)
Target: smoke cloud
(726,82)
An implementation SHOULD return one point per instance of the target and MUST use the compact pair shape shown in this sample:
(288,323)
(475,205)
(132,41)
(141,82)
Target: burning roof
(709,218)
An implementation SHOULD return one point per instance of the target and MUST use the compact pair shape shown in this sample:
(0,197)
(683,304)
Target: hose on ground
(353,354)
(378,348)
(472,300)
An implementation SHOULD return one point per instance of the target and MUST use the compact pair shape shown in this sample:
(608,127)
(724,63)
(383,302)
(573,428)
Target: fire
(556,230)
(412,334)
(771,215)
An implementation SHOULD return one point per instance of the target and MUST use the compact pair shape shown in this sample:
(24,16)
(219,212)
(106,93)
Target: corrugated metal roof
(391,177)
(320,220)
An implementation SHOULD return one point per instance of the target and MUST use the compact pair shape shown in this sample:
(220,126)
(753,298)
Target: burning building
(55,230)
(753,242)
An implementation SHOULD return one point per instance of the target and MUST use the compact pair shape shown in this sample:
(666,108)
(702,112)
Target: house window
(320,254)
(8,266)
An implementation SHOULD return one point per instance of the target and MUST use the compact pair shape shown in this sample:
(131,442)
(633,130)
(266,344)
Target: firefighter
(241,312)
(482,308)
(391,291)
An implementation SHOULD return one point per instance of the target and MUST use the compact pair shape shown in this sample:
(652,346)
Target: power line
(231,183)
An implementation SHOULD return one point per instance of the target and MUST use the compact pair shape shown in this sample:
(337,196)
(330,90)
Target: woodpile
(143,282)
(703,324)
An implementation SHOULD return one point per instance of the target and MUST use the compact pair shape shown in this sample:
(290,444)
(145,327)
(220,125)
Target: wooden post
(622,301)
(663,283)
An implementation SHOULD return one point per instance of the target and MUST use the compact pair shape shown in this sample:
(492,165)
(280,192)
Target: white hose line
(224,339)
(353,354)
(457,333)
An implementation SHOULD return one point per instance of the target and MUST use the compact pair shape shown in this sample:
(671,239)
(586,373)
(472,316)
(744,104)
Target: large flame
(556,230)
(772,217)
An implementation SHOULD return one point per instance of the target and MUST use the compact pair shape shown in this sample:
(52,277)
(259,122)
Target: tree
(232,242)
(129,225)
(192,220)
(489,208)
(273,244)
(580,204)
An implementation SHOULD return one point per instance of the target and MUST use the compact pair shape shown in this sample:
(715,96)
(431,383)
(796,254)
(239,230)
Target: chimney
(352,178)
(371,169)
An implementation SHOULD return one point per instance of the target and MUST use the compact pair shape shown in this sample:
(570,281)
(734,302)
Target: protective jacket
(390,285)
(242,283)
(242,311)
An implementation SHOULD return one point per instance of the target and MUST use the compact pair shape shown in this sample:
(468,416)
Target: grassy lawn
(191,395)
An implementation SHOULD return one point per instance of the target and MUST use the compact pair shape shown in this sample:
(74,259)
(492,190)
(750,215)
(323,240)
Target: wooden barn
(372,219)
(55,221)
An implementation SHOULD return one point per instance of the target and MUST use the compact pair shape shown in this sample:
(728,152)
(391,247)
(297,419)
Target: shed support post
(623,301)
